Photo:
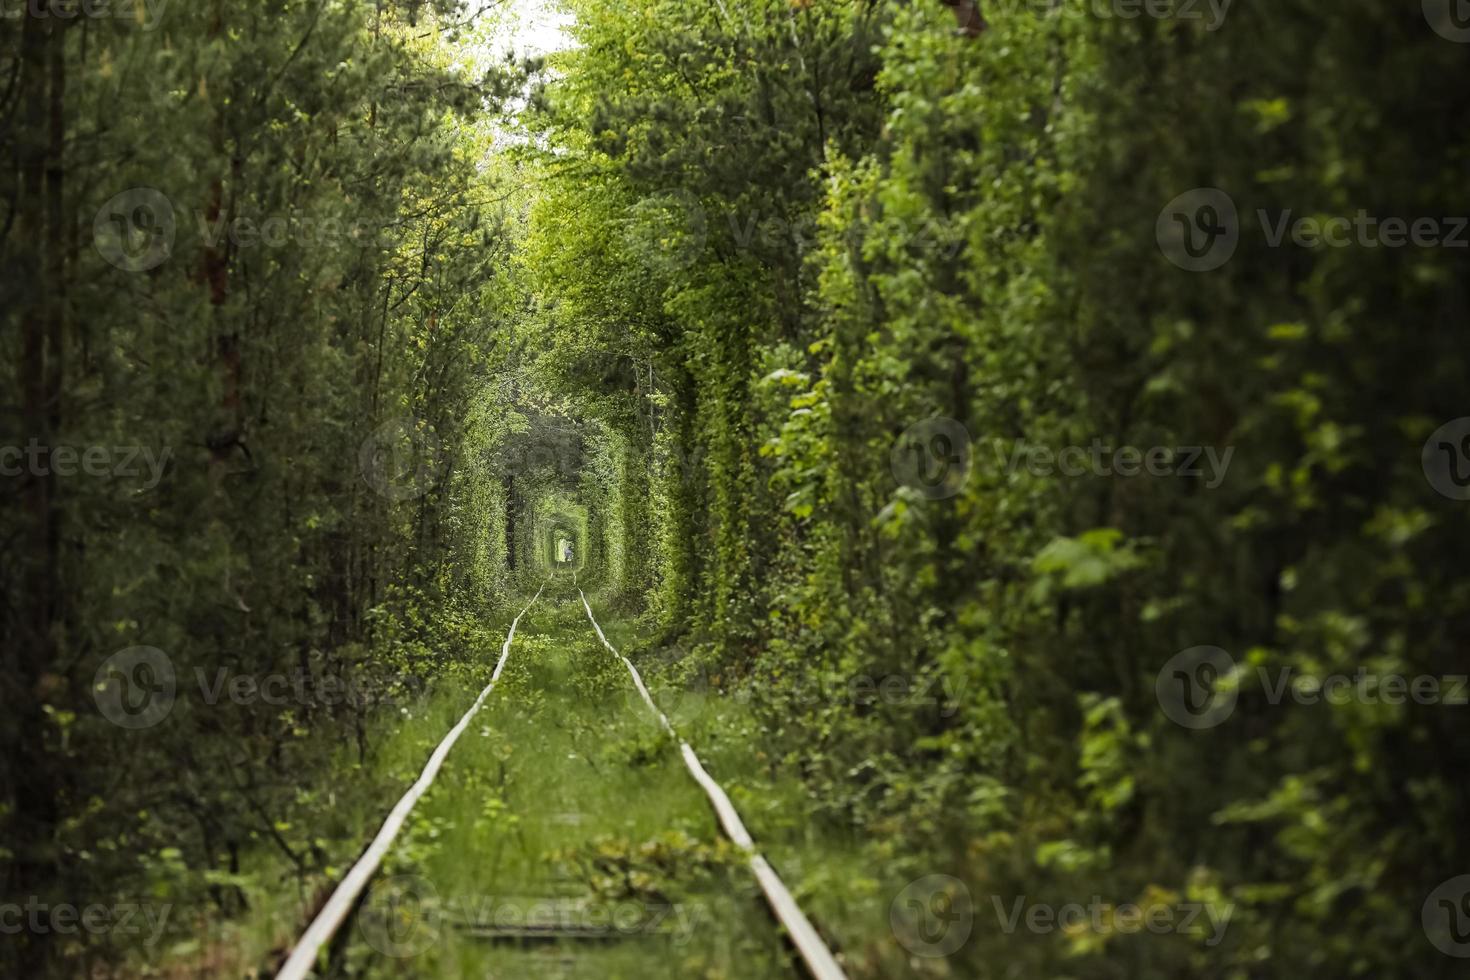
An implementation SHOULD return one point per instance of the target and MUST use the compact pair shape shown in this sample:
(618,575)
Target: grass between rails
(564,839)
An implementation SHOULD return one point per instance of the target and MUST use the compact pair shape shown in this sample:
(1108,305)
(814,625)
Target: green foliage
(732,254)
(819,224)
(314,325)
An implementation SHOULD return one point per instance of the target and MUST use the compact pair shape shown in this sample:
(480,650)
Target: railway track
(815,956)
(305,953)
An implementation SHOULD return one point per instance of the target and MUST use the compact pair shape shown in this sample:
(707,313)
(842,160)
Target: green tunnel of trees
(677,294)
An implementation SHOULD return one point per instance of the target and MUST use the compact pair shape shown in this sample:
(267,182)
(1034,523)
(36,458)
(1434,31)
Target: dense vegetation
(688,315)
(290,328)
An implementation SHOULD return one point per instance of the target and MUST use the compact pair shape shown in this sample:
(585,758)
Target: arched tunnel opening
(556,492)
(562,538)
